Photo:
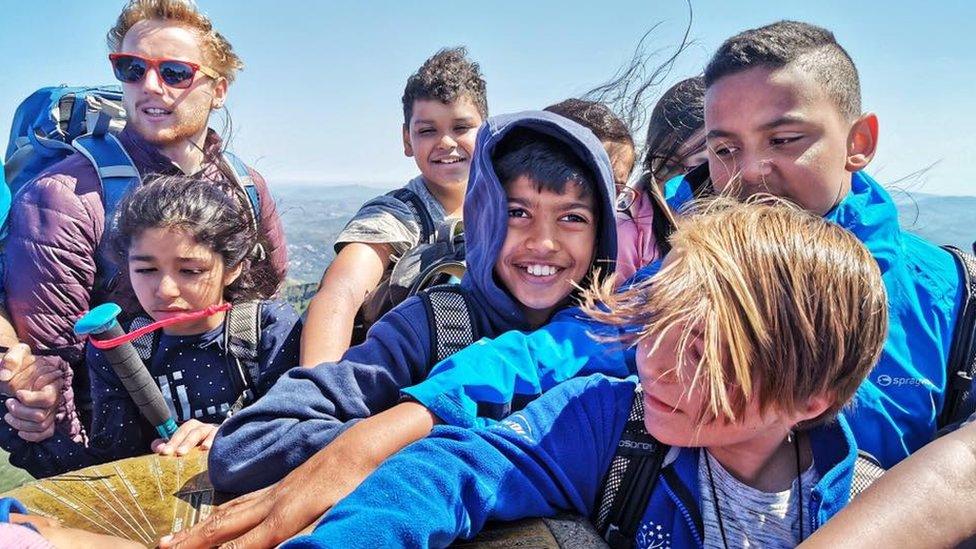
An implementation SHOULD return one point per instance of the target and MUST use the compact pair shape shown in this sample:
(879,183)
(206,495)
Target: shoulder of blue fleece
(493,374)
(600,401)
(642,275)
(402,335)
(278,315)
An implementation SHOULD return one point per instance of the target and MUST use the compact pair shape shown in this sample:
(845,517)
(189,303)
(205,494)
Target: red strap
(178,319)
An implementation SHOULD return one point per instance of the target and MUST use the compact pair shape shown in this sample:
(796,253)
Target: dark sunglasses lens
(175,73)
(129,69)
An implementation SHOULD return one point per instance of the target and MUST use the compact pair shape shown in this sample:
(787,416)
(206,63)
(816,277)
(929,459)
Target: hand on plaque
(33,389)
(293,506)
(191,434)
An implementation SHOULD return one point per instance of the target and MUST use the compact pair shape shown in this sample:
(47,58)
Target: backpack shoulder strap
(452,325)
(116,171)
(867,469)
(117,174)
(242,177)
(242,339)
(419,209)
(445,258)
(633,472)
(961,367)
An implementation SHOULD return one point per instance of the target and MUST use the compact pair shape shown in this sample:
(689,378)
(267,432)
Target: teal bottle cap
(98,320)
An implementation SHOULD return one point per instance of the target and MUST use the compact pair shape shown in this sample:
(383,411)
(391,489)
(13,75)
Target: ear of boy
(407,147)
(862,142)
(813,408)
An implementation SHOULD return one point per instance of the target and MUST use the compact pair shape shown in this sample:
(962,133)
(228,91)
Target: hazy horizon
(897,191)
(319,99)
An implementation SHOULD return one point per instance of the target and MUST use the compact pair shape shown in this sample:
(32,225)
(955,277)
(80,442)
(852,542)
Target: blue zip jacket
(310,407)
(551,456)
(195,375)
(895,409)
(4,210)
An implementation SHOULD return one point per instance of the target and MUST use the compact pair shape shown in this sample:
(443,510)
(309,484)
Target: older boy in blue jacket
(519,269)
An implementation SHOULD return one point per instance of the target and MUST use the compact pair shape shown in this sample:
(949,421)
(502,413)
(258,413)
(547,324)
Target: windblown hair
(596,117)
(677,117)
(219,54)
(810,48)
(447,76)
(211,217)
(607,127)
(788,306)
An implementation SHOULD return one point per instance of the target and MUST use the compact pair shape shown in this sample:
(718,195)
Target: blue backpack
(58,121)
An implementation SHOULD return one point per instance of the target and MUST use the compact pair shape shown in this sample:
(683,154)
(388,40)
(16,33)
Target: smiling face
(160,114)
(171,274)
(441,138)
(780,133)
(549,245)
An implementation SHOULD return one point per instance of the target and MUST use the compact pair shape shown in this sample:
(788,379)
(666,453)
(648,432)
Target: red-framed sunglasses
(132,68)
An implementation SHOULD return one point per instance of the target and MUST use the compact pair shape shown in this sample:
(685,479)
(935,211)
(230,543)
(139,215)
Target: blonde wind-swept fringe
(788,306)
(219,53)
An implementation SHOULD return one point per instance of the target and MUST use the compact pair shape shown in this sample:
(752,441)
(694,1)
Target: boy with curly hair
(444,104)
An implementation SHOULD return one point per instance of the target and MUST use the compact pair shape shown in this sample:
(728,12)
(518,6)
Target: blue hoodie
(310,407)
(551,456)
(895,409)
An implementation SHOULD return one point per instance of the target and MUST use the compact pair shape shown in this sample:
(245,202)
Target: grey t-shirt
(386,220)
(752,518)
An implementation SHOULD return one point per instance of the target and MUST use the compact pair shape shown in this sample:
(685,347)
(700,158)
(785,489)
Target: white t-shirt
(386,220)
(751,517)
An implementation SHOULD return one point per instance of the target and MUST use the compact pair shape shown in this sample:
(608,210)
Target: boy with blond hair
(751,338)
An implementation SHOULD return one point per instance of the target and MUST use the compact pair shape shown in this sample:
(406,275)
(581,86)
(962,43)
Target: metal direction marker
(139,498)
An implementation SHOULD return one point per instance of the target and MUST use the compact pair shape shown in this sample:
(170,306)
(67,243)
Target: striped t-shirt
(751,517)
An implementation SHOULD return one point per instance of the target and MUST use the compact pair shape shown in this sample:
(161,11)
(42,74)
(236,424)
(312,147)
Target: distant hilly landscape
(314,215)
(941,219)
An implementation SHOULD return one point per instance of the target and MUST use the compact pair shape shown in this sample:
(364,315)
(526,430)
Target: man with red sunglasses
(175,70)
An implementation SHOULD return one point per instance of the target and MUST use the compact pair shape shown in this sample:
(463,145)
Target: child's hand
(190,435)
(14,368)
(36,388)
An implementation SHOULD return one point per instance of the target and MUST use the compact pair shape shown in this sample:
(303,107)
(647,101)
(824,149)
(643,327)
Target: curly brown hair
(447,76)
(217,50)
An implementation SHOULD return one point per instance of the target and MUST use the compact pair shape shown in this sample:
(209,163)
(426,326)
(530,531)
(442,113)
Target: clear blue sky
(319,98)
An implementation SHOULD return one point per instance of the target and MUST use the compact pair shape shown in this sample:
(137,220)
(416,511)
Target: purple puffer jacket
(56,227)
